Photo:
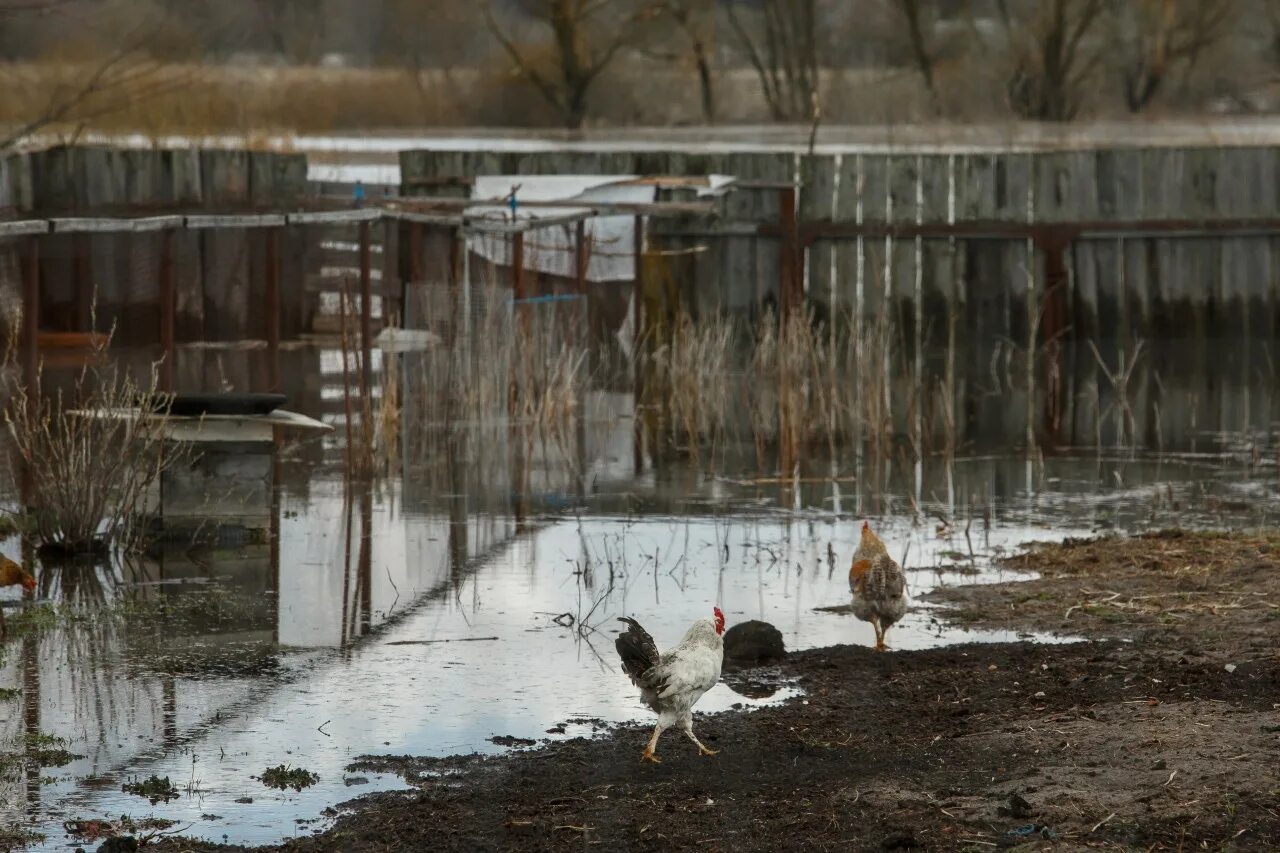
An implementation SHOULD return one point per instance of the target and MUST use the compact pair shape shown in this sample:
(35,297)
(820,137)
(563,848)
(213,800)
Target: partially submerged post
(30,344)
(168,310)
(580,261)
(637,336)
(366,310)
(31,320)
(273,308)
(515,400)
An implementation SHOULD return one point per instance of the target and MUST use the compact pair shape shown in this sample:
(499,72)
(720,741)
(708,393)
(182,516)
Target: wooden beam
(114,225)
(789,296)
(335,217)
(637,375)
(168,311)
(266,220)
(366,310)
(31,320)
(23,227)
(521,317)
(84,288)
(273,309)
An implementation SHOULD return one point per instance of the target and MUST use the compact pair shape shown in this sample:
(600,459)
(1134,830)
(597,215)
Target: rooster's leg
(880,646)
(649,751)
(702,748)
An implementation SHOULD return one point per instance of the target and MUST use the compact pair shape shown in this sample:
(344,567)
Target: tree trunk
(704,79)
(915,32)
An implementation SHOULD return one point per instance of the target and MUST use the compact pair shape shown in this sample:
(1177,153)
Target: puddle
(481,657)
(426,618)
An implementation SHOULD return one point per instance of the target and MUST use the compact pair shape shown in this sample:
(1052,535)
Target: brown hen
(11,574)
(878,585)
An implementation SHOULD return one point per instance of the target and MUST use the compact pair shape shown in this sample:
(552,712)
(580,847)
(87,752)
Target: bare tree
(913,17)
(1054,52)
(782,47)
(1155,37)
(586,37)
(695,20)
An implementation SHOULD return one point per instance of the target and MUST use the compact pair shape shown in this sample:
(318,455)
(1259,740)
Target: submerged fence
(973,293)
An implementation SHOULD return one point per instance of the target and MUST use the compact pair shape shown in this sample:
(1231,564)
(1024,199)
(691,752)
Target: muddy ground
(1162,732)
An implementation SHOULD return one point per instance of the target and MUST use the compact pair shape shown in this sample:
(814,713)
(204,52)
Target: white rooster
(671,684)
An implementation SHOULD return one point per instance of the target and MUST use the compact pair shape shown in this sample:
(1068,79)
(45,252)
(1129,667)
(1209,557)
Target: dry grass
(88,477)
(159,99)
(512,378)
(693,373)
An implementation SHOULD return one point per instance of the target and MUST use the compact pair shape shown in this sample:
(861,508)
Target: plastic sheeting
(611,239)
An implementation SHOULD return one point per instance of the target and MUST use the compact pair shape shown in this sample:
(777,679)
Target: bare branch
(526,69)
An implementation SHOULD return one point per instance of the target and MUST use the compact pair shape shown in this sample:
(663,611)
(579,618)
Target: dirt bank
(1164,739)
(1210,594)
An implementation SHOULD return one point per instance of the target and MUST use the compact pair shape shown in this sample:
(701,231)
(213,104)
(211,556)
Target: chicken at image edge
(11,574)
(672,683)
(878,585)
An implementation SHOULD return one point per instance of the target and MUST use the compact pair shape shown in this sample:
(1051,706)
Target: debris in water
(153,788)
(509,740)
(40,750)
(283,777)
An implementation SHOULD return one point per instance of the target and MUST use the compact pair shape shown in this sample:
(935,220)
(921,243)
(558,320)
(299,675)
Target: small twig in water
(430,642)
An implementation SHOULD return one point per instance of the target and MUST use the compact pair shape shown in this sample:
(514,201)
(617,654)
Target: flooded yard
(357,634)
(442,611)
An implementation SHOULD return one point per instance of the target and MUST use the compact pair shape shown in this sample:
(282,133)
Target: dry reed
(87,462)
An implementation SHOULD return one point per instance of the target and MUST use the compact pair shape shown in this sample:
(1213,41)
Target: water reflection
(424,613)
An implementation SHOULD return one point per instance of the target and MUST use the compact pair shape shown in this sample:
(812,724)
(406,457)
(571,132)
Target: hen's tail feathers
(636,648)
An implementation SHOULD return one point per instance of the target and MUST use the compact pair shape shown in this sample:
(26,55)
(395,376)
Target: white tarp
(611,239)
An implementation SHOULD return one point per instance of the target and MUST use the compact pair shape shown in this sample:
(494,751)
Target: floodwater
(428,614)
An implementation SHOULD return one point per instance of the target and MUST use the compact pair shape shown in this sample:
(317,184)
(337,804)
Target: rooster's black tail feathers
(636,648)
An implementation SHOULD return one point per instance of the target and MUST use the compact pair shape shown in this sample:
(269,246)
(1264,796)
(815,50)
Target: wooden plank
(168,311)
(189,292)
(266,220)
(272,273)
(31,322)
(817,202)
(24,227)
(224,177)
(332,217)
(186,187)
(366,312)
(115,225)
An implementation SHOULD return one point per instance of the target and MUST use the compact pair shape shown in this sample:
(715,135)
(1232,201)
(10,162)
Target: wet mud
(1160,733)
